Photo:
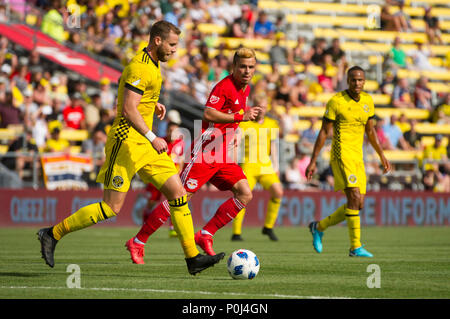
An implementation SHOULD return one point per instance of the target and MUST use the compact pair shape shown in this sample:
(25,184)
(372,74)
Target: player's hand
(251,113)
(160,110)
(310,170)
(160,145)
(386,165)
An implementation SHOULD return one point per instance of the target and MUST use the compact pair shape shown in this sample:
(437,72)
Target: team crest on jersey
(214,99)
(191,183)
(117,181)
(352,179)
(366,108)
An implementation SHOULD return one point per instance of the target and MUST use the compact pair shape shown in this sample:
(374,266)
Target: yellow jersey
(350,118)
(143,76)
(257,138)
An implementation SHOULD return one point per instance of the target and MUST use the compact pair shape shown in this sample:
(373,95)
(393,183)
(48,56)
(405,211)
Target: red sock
(225,213)
(154,220)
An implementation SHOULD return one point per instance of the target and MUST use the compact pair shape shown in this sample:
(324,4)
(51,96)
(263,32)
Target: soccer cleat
(360,252)
(201,262)
(317,237)
(237,238)
(136,251)
(269,232)
(48,244)
(205,242)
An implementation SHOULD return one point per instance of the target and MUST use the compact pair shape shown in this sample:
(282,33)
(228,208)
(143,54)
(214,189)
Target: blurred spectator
(106,95)
(293,177)
(309,136)
(280,24)
(56,91)
(432,28)
(231,11)
(92,112)
(298,54)
(401,96)
(441,113)
(95,146)
(387,86)
(338,57)
(28,108)
(420,57)
(216,13)
(283,92)
(173,16)
(382,137)
(403,123)
(52,21)
(388,21)
(422,94)
(23,144)
(242,26)
(73,113)
(197,11)
(263,28)
(55,143)
(397,55)
(394,134)
(412,137)
(9,114)
(21,77)
(40,94)
(403,18)
(325,79)
(436,151)
(278,53)
(299,93)
(316,53)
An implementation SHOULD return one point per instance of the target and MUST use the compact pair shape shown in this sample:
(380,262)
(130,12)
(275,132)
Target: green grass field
(414,263)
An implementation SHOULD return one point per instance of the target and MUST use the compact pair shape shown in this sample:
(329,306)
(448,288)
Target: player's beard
(162,55)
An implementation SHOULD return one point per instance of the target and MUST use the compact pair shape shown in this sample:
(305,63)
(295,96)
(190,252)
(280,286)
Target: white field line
(169,291)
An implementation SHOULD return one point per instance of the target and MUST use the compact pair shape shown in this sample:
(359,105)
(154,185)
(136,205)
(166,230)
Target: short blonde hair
(243,53)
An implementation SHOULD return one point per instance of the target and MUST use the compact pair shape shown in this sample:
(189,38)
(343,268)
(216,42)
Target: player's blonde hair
(243,53)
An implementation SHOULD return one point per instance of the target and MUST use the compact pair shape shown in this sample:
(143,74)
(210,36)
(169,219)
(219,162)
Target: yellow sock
(82,218)
(272,212)
(337,217)
(183,225)
(237,222)
(354,227)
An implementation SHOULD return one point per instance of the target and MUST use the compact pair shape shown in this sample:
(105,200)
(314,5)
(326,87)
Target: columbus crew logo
(117,181)
(352,179)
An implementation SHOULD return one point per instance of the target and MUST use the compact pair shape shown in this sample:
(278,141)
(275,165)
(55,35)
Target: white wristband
(150,136)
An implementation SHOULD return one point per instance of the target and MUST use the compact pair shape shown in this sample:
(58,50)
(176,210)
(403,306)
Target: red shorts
(223,175)
(155,194)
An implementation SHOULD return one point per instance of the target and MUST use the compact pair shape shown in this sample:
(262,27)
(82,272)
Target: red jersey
(73,116)
(216,139)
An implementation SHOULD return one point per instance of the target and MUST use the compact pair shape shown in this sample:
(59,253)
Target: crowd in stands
(46,101)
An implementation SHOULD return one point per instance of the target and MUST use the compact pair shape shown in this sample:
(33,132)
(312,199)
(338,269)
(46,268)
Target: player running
(260,165)
(349,113)
(133,148)
(212,156)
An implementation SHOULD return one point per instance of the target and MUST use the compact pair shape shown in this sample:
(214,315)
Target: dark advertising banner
(43,207)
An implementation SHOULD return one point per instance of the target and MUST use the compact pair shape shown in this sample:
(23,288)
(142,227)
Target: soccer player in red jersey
(212,156)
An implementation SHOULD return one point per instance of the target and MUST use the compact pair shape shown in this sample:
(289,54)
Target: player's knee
(179,193)
(278,193)
(245,196)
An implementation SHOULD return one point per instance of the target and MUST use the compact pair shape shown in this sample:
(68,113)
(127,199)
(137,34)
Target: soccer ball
(243,264)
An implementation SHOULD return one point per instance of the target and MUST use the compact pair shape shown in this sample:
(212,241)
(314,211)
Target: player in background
(132,148)
(212,156)
(349,114)
(260,165)
(175,149)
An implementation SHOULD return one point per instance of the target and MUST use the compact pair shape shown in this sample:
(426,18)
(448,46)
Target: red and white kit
(212,152)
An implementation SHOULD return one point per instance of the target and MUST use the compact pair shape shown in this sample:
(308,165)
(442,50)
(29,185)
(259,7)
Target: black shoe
(48,244)
(269,232)
(201,262)
(236,238)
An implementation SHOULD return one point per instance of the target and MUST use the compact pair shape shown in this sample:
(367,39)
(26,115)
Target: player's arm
(373,140)
(325,130)
(212,115)
(131,100)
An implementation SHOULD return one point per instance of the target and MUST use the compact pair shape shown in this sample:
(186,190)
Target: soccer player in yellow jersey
(260,149)
(349,114)
(133,148)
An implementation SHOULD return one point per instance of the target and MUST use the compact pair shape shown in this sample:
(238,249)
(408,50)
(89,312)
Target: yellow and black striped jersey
(350,118)
(143,76)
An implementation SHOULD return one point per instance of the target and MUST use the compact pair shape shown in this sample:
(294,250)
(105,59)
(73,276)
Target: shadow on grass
(20,274)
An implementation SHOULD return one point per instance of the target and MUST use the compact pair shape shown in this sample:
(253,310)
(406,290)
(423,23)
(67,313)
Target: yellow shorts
(349,174)
(256,175)
(124,159)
